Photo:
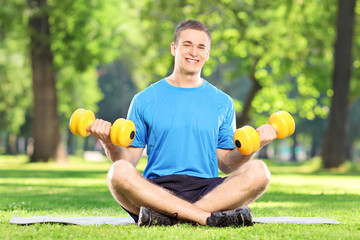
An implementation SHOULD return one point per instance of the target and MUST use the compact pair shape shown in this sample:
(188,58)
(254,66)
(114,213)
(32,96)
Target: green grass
(79,188)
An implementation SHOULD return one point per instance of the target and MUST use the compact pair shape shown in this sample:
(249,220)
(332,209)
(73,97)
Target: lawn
(78,188)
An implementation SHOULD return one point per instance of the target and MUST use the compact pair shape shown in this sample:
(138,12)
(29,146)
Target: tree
(64,47)
(354,127)
(277,46)
(47,142)
(118,88)
(283,48)
(15,79)
(333,151)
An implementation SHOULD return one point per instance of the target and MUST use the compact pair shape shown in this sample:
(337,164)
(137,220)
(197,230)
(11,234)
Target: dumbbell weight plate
(85,119)
(122,132)
(115,130)
(75,119)
(246,140)
(283,122)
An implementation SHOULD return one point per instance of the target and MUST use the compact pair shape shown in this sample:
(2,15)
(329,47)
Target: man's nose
(193,51)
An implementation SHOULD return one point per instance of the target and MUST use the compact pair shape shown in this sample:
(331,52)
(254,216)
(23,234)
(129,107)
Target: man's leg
(241,188)
(132,191)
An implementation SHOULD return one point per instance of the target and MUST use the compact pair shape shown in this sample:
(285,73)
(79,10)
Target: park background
(301,56)
(295,55)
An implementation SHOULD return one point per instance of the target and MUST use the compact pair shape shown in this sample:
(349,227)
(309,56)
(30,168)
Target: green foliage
(15,74)
(84,34)
(77,89)
(275,37)
(355,83)
(118,87)
(288,43)
(89,34)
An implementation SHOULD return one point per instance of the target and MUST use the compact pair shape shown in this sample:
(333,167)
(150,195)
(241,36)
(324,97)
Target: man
(187,125)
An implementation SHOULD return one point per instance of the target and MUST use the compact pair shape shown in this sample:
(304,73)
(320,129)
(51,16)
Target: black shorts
(186,187)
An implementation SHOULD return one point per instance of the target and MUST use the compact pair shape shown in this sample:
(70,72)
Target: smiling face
(191,51)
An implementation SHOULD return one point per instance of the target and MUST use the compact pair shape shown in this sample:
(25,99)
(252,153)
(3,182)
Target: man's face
(191,51)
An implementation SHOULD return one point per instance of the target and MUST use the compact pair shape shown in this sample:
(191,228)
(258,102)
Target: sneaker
(237,217)
(148,217)
(245,212)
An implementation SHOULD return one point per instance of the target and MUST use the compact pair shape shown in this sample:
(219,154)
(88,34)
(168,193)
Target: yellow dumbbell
(247,139)
(122,132)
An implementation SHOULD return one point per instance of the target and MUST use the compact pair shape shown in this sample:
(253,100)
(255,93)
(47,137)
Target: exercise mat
(128,220)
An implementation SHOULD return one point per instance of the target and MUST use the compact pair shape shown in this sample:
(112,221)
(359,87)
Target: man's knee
(261,173)
(120,175)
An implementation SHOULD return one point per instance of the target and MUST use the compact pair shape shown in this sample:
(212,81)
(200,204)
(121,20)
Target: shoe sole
(140,223)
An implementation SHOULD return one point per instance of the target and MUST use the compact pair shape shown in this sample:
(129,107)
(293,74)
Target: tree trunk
(314,147)
(70,143)
(11,147)
(349,152)
(333,151)
(293,157)
(46,132)
(243,117)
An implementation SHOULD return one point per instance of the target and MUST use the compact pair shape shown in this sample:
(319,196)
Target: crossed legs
(132,191)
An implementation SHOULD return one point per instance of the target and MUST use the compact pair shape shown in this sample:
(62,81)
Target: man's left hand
(267,134)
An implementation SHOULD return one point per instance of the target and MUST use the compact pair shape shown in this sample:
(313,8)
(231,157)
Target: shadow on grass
(52,174)
(301,198)
(315,173)
(341,207)
(29,173)
(313,167)
(32,197)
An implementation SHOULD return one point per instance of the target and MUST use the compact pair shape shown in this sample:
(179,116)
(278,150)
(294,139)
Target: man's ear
(172,46)
(207,55)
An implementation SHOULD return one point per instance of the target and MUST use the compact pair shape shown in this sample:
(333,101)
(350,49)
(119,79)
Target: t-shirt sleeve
(227,127)
(135,114)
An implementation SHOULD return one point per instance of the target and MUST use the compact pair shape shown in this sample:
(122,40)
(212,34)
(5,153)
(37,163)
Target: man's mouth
(192,60)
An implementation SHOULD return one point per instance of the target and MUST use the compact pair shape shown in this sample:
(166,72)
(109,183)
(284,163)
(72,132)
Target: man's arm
(231,159)
(100,129)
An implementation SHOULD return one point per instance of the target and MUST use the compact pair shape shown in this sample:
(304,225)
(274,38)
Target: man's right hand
(100,129)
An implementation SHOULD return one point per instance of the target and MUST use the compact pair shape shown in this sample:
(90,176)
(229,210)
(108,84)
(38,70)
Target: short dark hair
(190,24)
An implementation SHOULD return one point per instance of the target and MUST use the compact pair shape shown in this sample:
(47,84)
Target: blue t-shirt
(182,128)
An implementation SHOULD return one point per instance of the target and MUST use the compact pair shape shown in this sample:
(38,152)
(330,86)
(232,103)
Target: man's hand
(267,134)
(100,129)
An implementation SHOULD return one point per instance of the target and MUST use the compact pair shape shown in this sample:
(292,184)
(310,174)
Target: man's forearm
(233,160)
(115,153)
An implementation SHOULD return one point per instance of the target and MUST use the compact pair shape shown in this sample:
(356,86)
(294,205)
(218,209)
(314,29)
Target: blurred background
(301,56)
